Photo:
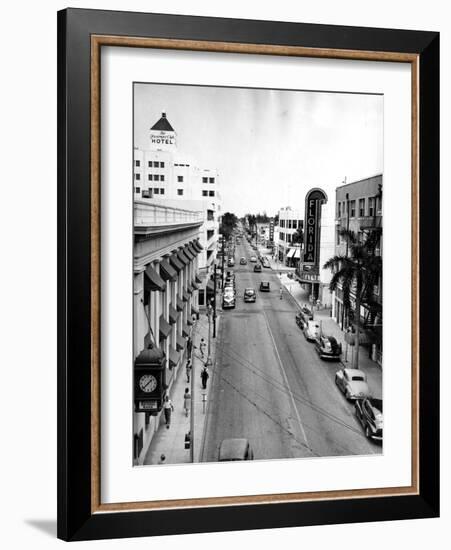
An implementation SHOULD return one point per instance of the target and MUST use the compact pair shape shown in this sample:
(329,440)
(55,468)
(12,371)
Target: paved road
(270,386)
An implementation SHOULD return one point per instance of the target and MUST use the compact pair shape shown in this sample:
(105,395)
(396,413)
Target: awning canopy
(180,342)
(167,272)
(195,285)
(198,246)
(194,310)
(291,252)
(165,328)
(173,315)
(176,263)
(193,250)
(198,279)
(152,281)
(174,357)
(188,253)
(297,253)
(181,256)
(185,330)
(185,297)
(190,289)
(179,304)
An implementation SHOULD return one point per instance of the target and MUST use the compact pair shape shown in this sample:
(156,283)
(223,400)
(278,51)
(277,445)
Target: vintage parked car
(228,298)
(265,262)
(235,449)
(369,413)
(327,347)
(257,268)
(243,261)
(230,262)
(250,295)
(312,330)
(253,259)
(265,286)
(352,382)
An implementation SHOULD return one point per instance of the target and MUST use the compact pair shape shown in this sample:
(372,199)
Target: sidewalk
(329,327)
(171,442)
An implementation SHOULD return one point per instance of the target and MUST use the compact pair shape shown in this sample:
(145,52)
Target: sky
(269,146)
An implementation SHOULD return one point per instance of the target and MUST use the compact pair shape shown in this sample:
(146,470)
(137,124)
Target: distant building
(162,176)
(290,221)
(359,209)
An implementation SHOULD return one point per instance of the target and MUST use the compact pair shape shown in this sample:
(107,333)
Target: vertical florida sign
(314,199)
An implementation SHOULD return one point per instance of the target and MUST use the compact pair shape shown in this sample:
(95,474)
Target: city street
(270,386)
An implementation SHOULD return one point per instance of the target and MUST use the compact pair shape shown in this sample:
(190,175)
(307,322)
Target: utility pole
(347,245)
(209,313)
(214,305)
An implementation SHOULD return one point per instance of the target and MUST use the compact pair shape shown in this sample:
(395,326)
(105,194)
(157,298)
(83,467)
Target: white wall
(28,275)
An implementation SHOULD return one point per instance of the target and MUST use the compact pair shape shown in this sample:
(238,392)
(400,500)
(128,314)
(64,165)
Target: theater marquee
(314,199)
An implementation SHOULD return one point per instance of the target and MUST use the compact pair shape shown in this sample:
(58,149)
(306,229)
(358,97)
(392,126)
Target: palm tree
(357,272)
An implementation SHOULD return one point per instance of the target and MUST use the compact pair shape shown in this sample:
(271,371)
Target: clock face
(147,383)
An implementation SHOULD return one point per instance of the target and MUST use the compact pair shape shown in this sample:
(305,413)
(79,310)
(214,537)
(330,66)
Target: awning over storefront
(152,281)
(194,310)
(185,296)
(167,272)
(189,321)
(165,328)
(174,357)
(198,279)
(179,304)
(188,253)
(189,289)
(291,252)
(297,253)
(198,246)
(180,342)
(176,263)
(193,251)
(195,285)
(181,256)
(185,330)
(173,315)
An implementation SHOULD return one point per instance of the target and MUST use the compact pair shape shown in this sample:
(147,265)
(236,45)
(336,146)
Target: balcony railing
(157,215)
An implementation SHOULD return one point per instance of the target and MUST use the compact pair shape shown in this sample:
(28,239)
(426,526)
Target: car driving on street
(250,295)
(253,259)
(243,261)
(257,268)
(235,449)
(369,413)
(265,286)
(228,298)
(327,347)
(352,382)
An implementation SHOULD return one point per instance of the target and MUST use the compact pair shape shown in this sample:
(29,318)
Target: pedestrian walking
(189,347)
(168,407)
(204,376)
(281,292)
(202,347)
(187,401)
(188,369)
(162,459)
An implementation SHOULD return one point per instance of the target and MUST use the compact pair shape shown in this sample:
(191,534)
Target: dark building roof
(163,124)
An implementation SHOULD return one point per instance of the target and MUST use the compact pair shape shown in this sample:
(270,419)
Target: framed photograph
(248,274)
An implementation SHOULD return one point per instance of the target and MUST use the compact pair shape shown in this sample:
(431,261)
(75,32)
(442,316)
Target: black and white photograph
(257,274)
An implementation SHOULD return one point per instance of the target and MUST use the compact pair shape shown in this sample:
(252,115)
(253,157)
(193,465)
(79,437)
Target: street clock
(149,380)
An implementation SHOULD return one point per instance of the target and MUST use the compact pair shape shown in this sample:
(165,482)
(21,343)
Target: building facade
(163,176)
(358,208)
(289,249)
(165,302)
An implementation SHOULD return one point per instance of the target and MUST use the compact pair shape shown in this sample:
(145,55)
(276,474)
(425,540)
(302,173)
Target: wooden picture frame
(81,35)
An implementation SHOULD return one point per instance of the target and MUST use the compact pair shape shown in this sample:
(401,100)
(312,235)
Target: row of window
(285,236)
(208,180)
(151,163)
(180,192)
(290,224)
(366,207)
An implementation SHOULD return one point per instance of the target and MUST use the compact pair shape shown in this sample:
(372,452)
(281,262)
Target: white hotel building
(162,176)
